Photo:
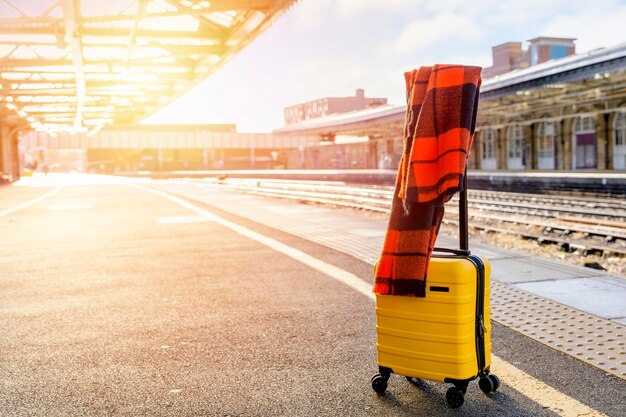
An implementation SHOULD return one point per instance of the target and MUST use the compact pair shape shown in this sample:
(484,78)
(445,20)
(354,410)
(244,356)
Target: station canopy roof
(78,65)
(578,85)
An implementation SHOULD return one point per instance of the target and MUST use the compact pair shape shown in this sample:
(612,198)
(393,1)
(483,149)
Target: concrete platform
(592,299)
(116,301)
(361,234)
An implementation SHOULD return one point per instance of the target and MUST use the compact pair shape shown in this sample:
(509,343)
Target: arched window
(584,124)
(516,145)
(488,143)
(488,149)
(546,140)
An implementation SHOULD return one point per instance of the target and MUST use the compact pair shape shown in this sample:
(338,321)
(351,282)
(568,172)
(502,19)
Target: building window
(584,124)
(620,129)
(516,141)
(488,144)
(584,143)
(547,133)
(546,140)
(558,51)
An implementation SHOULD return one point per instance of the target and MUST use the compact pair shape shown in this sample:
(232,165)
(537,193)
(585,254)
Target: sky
(329,48)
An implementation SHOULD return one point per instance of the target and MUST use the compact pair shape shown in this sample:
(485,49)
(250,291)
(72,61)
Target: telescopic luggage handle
(463,223)
(463,226)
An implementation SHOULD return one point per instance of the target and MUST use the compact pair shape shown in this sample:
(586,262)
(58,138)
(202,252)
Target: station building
(563,114)
(510,56)
(118,149)
(330,105)
(79,66)
(566,113)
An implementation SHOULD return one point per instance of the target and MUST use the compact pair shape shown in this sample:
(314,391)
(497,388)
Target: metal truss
(602,93)
(78,65)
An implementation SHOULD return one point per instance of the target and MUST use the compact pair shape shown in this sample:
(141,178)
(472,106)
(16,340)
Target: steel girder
(126,57)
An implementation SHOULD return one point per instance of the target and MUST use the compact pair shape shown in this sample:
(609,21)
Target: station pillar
(502,147)
(9,154)
(5,155)
(530,146)
(602,140)
(567,144)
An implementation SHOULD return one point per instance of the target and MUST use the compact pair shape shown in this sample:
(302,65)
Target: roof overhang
(565,70)
(80,65)
(378,119)
(585,80)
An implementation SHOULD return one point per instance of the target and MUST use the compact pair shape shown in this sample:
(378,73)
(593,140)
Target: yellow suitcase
(446,335)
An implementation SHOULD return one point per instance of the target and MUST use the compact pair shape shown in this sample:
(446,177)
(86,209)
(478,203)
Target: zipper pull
(481,325)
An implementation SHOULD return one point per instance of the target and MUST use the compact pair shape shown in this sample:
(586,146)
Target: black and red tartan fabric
(442,102)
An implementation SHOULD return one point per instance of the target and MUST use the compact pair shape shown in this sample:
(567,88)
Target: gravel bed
(614,265)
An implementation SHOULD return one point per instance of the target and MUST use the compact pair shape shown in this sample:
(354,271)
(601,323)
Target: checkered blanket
(442,102)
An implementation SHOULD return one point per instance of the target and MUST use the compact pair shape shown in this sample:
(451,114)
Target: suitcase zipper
(480,328)
(480,311)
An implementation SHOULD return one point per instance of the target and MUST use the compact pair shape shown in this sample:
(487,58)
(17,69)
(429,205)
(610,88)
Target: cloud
(595,27)
(352,7)
(423,34)
(306,16)
(330,47)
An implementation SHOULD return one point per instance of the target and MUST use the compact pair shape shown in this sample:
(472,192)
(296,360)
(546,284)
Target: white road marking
(337,273)
(181,219)
(513,377)
(367,232)
(60,207)
(293,209)
(8,211)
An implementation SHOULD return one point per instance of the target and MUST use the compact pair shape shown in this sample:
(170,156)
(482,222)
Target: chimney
(360,93)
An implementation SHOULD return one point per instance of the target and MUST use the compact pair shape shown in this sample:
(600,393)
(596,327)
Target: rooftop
(80,65)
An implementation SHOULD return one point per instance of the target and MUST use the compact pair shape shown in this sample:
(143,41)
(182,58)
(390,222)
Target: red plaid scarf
(442,102)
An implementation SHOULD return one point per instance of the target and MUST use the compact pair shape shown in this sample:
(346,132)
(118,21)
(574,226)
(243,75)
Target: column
(503,147)
(567,125)
(530,146)
(600,140)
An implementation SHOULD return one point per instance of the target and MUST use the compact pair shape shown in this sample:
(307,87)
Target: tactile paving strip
(591,339)
(594,340)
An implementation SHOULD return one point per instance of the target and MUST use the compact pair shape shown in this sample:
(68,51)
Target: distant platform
(611,184)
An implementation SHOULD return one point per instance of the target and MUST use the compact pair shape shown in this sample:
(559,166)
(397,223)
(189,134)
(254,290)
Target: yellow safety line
(513,377)
(541,393)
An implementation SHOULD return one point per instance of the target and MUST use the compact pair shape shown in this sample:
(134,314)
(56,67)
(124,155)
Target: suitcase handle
(463,234)
(463,225)
(459,252)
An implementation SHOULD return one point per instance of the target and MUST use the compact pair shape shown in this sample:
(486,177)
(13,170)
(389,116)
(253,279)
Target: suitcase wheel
(455,397)
(489,384)
(379,383)
(496,382)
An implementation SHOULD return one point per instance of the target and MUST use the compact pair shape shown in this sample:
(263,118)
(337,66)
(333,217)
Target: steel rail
(529,204)
(379,200)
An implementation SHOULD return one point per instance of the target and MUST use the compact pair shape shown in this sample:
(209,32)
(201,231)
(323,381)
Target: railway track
(584,224)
